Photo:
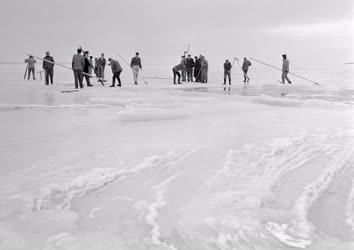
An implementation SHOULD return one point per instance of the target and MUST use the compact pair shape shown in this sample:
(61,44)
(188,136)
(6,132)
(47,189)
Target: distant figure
(285,70)
(227,71)
(204,70)
(245,65)
(48,66)
(101,66)
(184,69)
(86,69)
(95,67)
(135,64)
(31,67)
(77,64)
(116,70)
(197,69)
(189,66)
(175,71)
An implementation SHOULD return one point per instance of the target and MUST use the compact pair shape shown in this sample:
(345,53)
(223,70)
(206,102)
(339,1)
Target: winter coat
(115,66)
(102,62)
(48,65)
(197,65)
(227,66)
(30,62)
(135,61)
(78,62)
(246,64)
(190,63)
(178,67)
(87,65)
(285,67)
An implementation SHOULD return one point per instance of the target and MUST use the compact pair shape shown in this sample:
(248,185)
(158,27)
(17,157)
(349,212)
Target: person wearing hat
(48,66)
(135,64)
(116,70)
(30,66)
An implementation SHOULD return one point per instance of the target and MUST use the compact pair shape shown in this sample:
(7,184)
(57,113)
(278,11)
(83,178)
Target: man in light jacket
(116,70)
(285,70)
(77,64)
(30,67)
(135,64)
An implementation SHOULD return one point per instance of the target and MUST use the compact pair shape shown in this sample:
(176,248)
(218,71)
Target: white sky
(312,32)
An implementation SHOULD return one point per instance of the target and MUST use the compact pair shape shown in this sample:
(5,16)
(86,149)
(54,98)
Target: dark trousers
(197,74)
(190,74)
(33,74)
(87,78)
(48,75)
(78,78)
(245,76)
(176,73)
(227,74)
(116,75)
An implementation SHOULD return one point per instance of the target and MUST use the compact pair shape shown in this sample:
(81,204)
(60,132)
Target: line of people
(83,67)
(189,69)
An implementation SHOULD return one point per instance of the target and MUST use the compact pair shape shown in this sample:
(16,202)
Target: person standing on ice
(116,70)
(31,67)
(245,65)
(189,66)
(175,71)
(204,70)
(77,64)
(227,71)
(196,69)
(135,64)
(285,70)
(86,69)
(48,66)
(101,66)
(184,70)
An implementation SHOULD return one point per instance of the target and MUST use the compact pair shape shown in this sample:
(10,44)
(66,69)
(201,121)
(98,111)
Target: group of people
(189,69)
(82,66)
(48,67)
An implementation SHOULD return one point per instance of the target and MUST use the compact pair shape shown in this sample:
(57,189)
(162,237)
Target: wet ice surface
(176,167)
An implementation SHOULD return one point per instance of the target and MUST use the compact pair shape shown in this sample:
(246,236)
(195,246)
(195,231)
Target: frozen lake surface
(190,167)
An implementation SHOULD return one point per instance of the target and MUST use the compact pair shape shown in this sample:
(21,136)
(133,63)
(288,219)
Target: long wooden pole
(296,75)
(55,63)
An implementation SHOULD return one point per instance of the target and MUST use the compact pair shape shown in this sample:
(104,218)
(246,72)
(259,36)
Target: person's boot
(112,86)
(119,85)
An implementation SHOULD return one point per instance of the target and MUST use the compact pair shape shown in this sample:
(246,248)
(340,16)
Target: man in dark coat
(189,66)
(197,69)
(227,71)
(116,70)
(87,65)
(48,66)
